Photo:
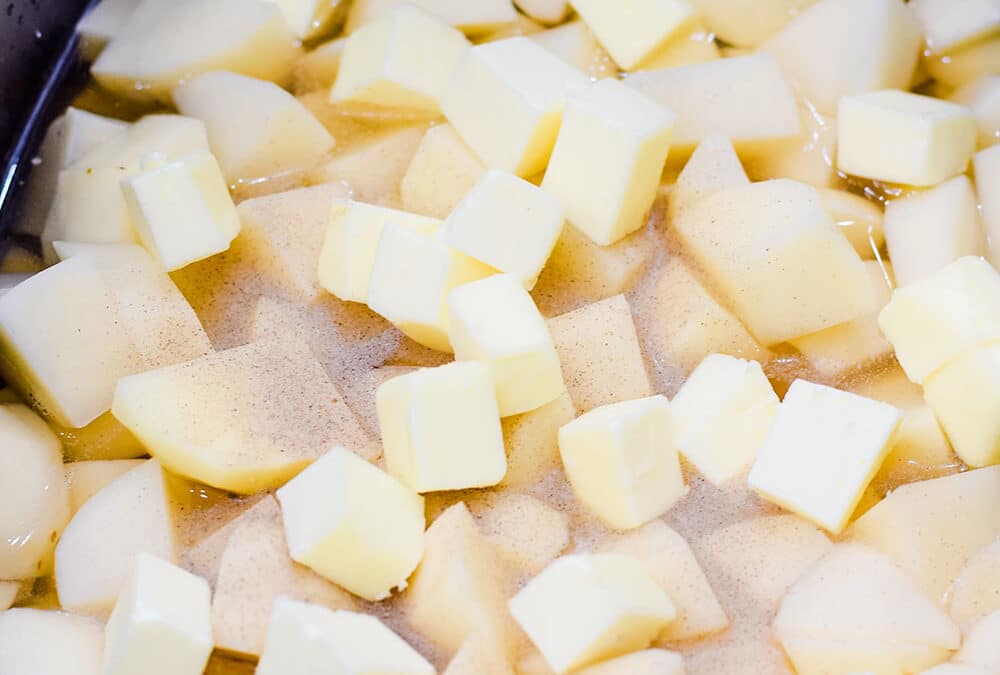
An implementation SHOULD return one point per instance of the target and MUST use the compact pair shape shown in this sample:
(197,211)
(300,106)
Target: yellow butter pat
(632,33)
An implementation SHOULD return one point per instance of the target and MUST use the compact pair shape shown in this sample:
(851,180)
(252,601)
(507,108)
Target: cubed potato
(508,224)
(8,593)
(100,24)
(975,592)
(309,18)
(965,396)
(672,565)
(353,524)
(586,608)
(255,128)
(859,219)
(576,44)
(35,503)
(835,48)
(921,449)
(712,167)
(855,611)
(441,428)
(931,528)
(896,136)
(722,414)
(163,44)
(128,517)
(600,355)
(745,99)
(254,569)
(161,622)
(783,286)
(442,171)
(473,18)
(965,65)
(545,11)
(982,97)
(987,168)
(506,101)
(607,160)
(932,321)
(980,648)
(644,662)
(696,44)
(87,478)
(479,654)
(304,638)
(404,59)
(950,668)
(633,35)
(45,642)
(810,158)
(948,26)
(531,440)
(231,419)
(824,447)
(528,532)
(459,589)
(317,69)
(748,23)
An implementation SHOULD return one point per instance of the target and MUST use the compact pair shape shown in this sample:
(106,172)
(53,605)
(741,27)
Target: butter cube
(722,414)
(161,624)
(823,449)
(932,321)
(495,321)
(506,102)
(607,160)
(632,33)
(982,96)
(411,277)
(987,167)
(951,24)
(402,60)
(586,608)
(182,210)
(303,639)
(965,396)
(441,428)
(508,224)
(351,241)
(353,524)
(442,171)
(906,138)
(622,462)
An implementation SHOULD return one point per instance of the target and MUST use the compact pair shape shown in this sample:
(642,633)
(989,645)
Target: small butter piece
(607,160)
(900,137)
(495,321)
(633,32)
(722,415)
(303,639)
(441,428)
(161,624)
(586,608)
(621,461)
(353,524)
(824,447)
(508,224)
(442,171)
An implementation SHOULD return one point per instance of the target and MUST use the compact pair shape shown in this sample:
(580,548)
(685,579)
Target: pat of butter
(622,462)
(348,254)
(900,137)
(495,321)
(161,624)
(441,428)
(506,101)
(353,524)
(824,447)
(402,60)
(633,32)
(608,157)
(586,608)
(507,223)
(932,321)
(303,639)
(182,210)
(722,415)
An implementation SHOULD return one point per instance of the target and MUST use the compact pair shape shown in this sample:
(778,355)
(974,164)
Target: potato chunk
(951,25)
(528,532)
(441,172)
(85,479)
(987,168)
(975,592)
(40,642)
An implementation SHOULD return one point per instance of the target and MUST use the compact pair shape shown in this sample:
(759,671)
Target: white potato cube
(987,167)
(473,18)
(607,160)
(41,642)
(982,96)
(586,608)
(645,662)
(966,65)
(577,45)
(506,102)
(495,321)
(100,24)
(85,479)
(979,646)
(809,158)
(858,218)
(531,441)
(722,415)
(838,48)
(508,224)
(823,449)
(441,428)
(8,593)
(410,279)
(351,241)
(353,524)
(695,44)
(544,11)
(975,592)
(316,71)
(303,638)
(748,23)
(932,321)
(308,18)
(900,137)
(161,624)
(402,60)
(480,653)
(951,24)
(622,462)
(633,34)
(440,174)
(713,166)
